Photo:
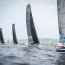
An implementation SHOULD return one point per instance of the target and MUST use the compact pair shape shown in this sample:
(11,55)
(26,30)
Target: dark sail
(14,34)
(1,36)
(31,31)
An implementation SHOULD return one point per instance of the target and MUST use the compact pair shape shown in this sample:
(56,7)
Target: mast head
(28,6)
(13,24)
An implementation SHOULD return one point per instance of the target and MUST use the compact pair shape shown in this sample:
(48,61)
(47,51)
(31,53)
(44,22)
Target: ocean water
(22,54)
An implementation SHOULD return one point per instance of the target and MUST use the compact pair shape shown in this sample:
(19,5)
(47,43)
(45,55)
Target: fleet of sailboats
(31,31)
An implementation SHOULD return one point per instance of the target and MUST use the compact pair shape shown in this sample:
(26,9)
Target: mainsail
(32,35)
(14,34)
(1,36)
(61,19)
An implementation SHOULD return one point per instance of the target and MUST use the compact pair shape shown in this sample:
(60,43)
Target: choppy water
(24,55)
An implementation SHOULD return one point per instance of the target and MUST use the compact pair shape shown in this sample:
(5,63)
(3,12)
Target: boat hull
(60,50)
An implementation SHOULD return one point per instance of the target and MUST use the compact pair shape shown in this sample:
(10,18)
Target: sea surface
(22,54)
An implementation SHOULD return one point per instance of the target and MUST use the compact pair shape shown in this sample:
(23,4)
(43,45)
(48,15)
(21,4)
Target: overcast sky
(44,14)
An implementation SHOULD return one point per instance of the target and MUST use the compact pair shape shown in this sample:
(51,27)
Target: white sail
(61,19)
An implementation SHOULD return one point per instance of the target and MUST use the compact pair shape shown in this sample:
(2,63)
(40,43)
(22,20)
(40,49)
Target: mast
(31,31)
(1,36)
(61,19)
(14,34)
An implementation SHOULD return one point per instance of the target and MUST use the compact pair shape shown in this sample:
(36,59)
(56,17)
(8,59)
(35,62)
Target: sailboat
(14,34)
(31,31)
(1,37)
(61,22)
